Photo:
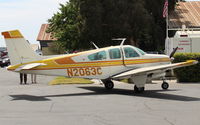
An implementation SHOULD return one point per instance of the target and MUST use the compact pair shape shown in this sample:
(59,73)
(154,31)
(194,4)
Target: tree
(82,21)
(66,24)
(107,19)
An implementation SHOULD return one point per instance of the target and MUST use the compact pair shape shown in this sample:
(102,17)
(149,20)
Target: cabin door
(130,56)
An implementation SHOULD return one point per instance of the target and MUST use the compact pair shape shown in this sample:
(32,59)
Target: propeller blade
(173,52)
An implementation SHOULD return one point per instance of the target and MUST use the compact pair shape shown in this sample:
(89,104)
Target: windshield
(140,51)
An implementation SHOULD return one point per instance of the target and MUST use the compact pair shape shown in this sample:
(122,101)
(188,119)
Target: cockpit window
(98,56)
(130,52)
(115,53)
(141,51)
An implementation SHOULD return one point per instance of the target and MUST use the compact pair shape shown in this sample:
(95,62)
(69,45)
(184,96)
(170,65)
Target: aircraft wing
(29,66)
(155,69)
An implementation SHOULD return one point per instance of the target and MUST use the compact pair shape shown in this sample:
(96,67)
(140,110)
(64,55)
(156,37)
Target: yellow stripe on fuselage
(143,61)
(51,64)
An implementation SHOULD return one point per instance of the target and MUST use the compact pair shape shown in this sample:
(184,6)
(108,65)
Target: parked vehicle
(4,59)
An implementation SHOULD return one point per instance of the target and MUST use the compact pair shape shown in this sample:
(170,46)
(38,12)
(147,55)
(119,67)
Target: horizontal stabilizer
(29,66)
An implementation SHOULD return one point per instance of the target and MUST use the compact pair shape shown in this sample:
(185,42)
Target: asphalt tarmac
(91,104)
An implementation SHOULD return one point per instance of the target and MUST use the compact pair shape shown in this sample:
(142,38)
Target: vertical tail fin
(19,49)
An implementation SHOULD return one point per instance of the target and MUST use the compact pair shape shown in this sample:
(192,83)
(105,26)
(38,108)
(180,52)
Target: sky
(26,16)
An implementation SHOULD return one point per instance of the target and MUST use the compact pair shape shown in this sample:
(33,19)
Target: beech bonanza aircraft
(106,64)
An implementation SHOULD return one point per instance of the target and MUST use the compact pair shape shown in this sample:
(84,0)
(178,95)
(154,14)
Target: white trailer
(186,41)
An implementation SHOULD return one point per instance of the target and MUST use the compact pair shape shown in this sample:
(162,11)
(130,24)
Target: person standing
(23,78)
(33,78)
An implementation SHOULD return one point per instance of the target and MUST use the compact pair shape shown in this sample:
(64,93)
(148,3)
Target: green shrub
(189,73)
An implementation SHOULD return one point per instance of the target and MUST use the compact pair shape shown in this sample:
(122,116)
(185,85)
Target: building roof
(186,13)
(43,36)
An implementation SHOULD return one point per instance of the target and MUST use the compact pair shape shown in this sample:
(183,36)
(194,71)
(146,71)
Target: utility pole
(166,16)
(167,20)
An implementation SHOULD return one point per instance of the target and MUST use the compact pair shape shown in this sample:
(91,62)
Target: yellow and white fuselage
(79,65)
(108,63)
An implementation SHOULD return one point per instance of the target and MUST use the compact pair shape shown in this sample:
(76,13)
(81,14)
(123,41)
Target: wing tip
(192,61)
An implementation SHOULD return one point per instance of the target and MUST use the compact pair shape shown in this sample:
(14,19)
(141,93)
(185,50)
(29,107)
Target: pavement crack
(51,107)
(171,123)
(147,106)
(101,121)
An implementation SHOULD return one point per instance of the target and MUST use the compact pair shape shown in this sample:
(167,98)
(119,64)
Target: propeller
(173,52)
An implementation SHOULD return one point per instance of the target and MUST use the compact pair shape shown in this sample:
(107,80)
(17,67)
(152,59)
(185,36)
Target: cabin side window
(130,52)
(115,53)
(98,56)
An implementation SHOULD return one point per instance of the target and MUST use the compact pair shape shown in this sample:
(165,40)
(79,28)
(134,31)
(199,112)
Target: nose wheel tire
(138,89)
(109,84)
(165,85)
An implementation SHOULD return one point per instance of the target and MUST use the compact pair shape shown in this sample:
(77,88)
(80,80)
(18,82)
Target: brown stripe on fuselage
(103,64)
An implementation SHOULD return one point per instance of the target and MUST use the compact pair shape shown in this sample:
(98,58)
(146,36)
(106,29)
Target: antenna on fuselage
(122,39)
(94,45)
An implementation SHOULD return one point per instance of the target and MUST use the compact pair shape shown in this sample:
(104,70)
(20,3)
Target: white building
(185,22)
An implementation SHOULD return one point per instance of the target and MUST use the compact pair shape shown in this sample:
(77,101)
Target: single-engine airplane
(106,64)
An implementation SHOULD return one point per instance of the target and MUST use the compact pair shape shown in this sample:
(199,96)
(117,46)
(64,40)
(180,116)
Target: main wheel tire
(138,89)
(165,85)
(109,84)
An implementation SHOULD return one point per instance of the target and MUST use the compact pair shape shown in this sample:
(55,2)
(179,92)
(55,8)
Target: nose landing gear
(138,89)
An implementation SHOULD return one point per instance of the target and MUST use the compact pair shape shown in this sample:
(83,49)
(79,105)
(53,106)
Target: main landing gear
(165,85)
(108,84)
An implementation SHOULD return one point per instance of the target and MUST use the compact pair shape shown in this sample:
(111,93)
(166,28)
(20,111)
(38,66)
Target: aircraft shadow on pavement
(155,94)
(29,98)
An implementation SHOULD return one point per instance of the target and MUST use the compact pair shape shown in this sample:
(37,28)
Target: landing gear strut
(165,85)
(138,89)
(108,84)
